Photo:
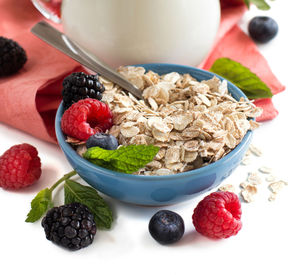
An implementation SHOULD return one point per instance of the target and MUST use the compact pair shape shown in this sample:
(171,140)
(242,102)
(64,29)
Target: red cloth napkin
(30,98)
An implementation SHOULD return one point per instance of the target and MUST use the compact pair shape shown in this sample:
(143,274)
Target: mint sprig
(75,192)
(260,4)
(242,77)
(126,159)
(39,205)
(43,200)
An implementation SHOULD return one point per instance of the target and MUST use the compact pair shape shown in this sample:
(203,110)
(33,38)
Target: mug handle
(49,8)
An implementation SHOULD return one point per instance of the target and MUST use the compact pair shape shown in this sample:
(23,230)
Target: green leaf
(39,205)
(260,4)
(75,192)
(242,77)
(247,2)
(126,159)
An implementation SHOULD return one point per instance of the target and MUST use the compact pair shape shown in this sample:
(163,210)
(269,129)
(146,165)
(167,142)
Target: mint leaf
(260,4)
(39,205)
(247,2)
(75,192)
(126,159)
(242,77)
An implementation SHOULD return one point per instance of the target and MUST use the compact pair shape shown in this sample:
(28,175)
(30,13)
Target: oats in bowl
(194,123)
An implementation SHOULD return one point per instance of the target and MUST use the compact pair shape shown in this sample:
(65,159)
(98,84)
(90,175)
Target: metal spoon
(66,45)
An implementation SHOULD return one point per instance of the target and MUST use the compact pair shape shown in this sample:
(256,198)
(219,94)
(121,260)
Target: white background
(267,244)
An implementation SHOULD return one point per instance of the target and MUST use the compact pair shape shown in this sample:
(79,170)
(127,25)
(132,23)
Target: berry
(218,215)
(105,141)
(86,118)
(71,226)
(12,56)
(166,227)
(20,166)
(80,86)
(230,3)
(262,28)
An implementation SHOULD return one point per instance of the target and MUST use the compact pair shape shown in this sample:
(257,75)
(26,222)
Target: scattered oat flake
(248,192)
(265,170)
(227,187)
(246,161)
(255,150)
(272,197)
(270,178)
(243,184)
(276,186)
(248,153)
(254,178)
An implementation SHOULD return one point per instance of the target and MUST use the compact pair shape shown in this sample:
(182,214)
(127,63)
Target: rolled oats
(246,160)
(194,123)
(227,187)
(254,178)
(271,178)
(248,193)
(265,170)
(276,186)
(255,150)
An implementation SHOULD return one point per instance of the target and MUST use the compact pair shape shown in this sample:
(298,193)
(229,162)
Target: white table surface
(270,230)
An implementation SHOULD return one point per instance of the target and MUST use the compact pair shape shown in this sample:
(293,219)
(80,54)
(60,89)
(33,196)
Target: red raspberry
(230,3)
(218,215)
(85,118)
(20,166)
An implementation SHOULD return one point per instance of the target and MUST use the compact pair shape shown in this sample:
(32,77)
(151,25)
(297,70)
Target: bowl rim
(227,158)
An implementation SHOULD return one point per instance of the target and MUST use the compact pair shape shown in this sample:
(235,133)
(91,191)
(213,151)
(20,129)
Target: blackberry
(71,226)
(79,86)
(12,56)
(166,227)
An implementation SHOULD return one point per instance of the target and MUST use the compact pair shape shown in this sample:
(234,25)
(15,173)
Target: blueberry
(104,141)
(262,28)
(166,227)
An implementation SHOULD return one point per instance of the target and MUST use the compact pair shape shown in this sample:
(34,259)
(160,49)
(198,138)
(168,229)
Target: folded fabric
(29,99)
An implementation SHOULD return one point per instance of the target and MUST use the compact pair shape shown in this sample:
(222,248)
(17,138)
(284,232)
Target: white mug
(125,32)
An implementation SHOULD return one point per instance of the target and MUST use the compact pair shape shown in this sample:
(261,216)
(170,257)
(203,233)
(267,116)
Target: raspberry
(71,226)
(86,118)
(12,56)
(218,215)
(230,3)
(20,166)
(80,86)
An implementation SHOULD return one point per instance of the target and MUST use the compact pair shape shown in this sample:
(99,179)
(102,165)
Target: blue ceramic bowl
(157,190)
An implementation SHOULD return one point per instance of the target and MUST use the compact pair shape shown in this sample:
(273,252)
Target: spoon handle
(66,45)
